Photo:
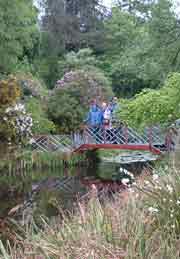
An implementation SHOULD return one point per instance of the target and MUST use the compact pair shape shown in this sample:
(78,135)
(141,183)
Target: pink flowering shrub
(91,84)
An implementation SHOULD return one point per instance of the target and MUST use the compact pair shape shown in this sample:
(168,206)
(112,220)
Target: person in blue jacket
(95,116)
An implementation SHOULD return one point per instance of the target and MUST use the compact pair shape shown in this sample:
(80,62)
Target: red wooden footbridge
(93,138)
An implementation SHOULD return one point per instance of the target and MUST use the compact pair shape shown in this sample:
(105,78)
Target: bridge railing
(117,135)
(121,134)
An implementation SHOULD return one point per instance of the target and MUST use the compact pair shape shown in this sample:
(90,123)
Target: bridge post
(84,135)
(150,137)
(126,134)
(104,134)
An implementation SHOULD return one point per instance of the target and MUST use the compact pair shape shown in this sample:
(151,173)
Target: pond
(46,191)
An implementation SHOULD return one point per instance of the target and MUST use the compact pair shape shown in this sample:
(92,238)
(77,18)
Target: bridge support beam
(144,147)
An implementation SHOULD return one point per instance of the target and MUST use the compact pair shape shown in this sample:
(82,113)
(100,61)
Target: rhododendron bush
(90,84)
(69,101)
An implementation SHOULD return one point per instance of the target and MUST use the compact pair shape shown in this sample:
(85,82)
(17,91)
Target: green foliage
(164,29)
(66,110)
(154,106)
(18,32)
(47,69)
(141,45)
(126,57)
(41,123)
(83,59)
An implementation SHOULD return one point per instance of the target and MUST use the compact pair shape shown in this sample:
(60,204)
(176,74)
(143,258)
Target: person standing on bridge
(95,116)
(114,107)
(107,117)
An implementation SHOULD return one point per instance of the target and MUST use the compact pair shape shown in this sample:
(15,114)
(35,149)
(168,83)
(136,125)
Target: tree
(68,23)
(18,34)
(127,58)
(142,45)
(83,59)
(139,8)
(164,28)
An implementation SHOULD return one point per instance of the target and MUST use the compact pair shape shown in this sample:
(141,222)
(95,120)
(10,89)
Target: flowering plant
(15,124)
(163,203)
(91,84)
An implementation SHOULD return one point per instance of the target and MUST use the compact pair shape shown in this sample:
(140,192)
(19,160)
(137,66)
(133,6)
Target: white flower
(169,188)
(31,141)
(5,118)
(125,181)
(134,184)
(156,187)
(153,210)
(130,174)
(173,226)
(155,177)
(171,201)
(178,202)
(171,215)
(147,182)
(8,110)
(164,200)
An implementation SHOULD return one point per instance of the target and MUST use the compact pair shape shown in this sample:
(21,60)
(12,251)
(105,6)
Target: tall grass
(136,224)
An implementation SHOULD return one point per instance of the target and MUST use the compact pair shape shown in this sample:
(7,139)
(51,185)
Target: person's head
(115,99)
(104,105)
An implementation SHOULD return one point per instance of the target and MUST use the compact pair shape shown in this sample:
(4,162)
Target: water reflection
(47,192)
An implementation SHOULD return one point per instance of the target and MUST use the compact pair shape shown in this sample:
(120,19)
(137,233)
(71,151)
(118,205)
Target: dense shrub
(65,109)
(38,111)
(154,106)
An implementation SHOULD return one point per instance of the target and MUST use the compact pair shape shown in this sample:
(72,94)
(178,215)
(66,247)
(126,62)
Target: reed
(137,224)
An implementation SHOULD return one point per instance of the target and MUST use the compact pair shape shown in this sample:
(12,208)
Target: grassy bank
(143,222)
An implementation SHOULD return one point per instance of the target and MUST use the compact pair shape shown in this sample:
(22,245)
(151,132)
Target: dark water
(47,191)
